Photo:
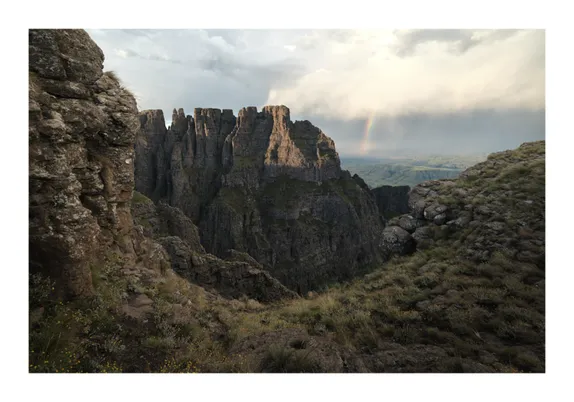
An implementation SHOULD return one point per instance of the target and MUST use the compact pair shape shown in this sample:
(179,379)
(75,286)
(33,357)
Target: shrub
(280,359)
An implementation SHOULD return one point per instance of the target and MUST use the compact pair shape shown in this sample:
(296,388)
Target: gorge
(228,243)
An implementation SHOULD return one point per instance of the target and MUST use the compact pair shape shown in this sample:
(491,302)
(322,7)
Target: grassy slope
(485,316)
(432,311)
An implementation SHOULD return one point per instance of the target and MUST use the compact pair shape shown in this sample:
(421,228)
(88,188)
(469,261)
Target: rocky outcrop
(182,165)
(231,279)
(266,145)
(398,240)
(494,206)
(266,186)
(162,220)
(238,275)
(392,200)
(82,126)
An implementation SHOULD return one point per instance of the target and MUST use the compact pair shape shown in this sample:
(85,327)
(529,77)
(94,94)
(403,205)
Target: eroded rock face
(82,127)
(272,188)
(398,240)
(238,275)
(182,165)
(392,200)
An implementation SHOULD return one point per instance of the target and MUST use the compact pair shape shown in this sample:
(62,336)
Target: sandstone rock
(398,240)
(79,141)
(407,222)
(439,219)
(230,278)
(434,210)
(267,186)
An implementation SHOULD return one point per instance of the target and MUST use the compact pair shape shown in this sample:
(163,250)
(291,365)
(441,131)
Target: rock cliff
(233,277)
(392,200)
(264,185)
(82,127)
(471,299)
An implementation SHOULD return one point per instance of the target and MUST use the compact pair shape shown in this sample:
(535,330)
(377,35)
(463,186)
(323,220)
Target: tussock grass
(114,76)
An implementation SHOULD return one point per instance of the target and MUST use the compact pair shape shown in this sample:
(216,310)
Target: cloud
(459,40)
(437,71)
(199,68)
(473,82)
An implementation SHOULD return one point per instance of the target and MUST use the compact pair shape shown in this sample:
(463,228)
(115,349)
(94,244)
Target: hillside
(246,247)
(443,309)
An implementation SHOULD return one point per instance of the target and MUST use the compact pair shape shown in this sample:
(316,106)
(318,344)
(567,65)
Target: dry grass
(473,315)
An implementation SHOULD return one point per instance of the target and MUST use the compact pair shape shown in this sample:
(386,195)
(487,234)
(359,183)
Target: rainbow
(368,128)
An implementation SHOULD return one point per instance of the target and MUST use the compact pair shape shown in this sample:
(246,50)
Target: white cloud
(121,53)
(366,75)
(332,73)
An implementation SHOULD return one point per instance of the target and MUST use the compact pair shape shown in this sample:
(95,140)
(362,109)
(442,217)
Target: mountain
(261,184)
(207,267)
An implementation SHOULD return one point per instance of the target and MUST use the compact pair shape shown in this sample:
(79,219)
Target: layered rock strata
(263,185)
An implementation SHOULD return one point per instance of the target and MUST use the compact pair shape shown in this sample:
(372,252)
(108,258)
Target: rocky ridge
(491,207)
(82,128)
(470,299)
(234,277)
(263,185)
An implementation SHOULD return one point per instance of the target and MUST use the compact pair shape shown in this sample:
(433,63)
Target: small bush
(280,359)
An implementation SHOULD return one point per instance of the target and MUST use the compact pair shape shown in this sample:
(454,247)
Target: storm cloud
(450,91)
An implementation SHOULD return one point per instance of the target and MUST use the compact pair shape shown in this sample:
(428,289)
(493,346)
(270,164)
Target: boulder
(398,240)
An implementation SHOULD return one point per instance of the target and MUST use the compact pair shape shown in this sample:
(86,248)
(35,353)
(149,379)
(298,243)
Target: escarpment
(82,127)
(263,185)
(82,131)
(255,208)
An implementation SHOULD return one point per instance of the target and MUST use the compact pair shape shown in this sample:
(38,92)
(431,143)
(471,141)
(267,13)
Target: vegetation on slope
(435,311)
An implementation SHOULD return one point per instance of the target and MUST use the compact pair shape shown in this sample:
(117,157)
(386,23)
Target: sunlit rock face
(263,185)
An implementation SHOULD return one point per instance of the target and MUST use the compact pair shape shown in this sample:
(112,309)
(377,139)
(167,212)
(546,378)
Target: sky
(377,93)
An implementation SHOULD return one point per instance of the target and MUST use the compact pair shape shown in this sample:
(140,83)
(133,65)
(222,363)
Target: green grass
(281,359)
(139,198)
(480,315)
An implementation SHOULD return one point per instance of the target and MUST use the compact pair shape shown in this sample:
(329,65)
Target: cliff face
(392,200)
(182,164)
(238,275)
(472,299)
(81,133)
(264,185)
